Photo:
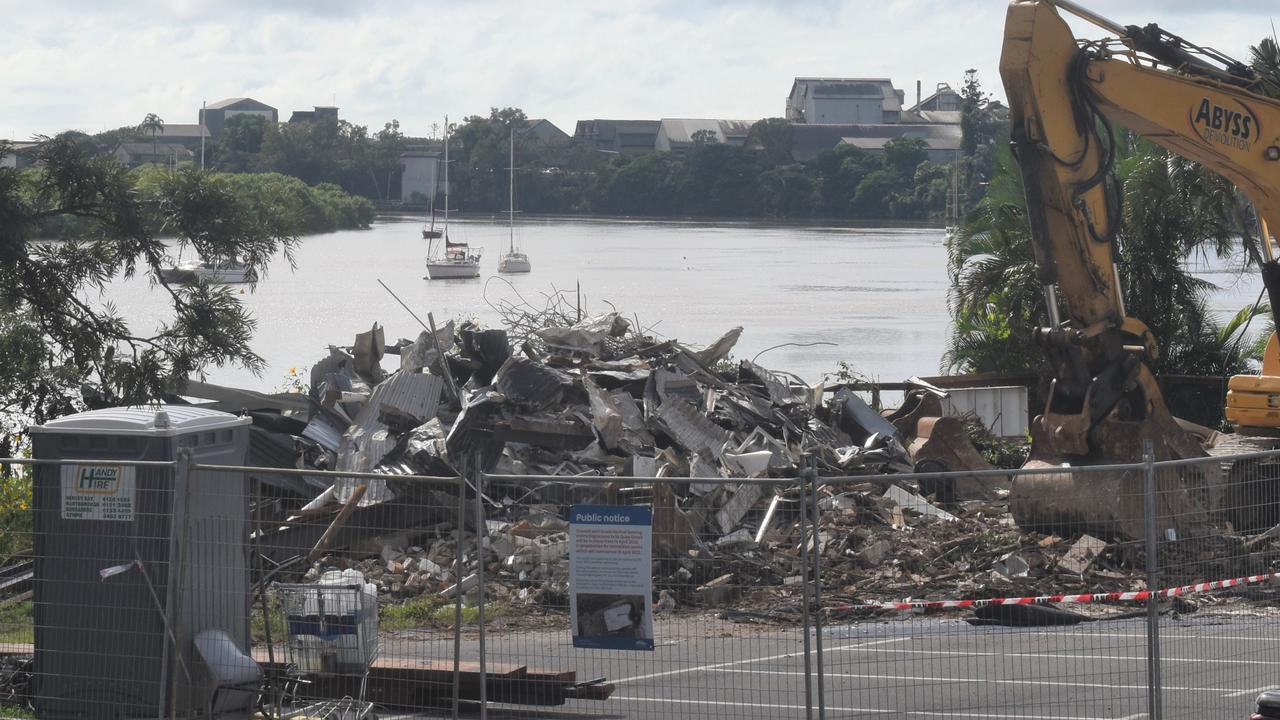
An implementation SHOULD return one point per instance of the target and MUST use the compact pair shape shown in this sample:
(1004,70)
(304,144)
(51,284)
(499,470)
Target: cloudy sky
(92,65)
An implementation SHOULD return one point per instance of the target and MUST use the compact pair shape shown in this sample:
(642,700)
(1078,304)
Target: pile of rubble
(554,400)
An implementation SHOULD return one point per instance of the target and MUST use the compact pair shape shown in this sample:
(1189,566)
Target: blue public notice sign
(611,577)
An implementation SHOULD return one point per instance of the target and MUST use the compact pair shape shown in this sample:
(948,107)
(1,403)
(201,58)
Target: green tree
(243,133)
(871,199)
(154,125)
(63,351)
(994,298)
(1172,209)
(241,142)
(904,154)
(704,137)
(480,180)
(645,185)
(980,132)
(837,174)
(384,156)
(773,137)
(1265,59)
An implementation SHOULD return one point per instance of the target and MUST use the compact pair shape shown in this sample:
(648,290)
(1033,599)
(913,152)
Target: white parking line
(769,706)
(877,711)
(1252,691)
(1056,655)
(934,678)
(701,668)
(1163,635)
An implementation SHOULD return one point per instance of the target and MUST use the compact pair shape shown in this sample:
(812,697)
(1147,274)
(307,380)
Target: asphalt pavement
(917,668)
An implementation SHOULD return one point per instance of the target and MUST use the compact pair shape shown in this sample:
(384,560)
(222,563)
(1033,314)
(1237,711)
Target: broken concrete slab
(717,592)
(1082,554)
(911,501)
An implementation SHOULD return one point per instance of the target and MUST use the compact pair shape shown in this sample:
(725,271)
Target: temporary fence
(1136,590)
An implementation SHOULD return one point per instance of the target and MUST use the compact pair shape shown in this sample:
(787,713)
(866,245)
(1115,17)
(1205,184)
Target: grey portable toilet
(131,563)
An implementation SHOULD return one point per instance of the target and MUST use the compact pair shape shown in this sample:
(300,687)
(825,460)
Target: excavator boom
(1063,96)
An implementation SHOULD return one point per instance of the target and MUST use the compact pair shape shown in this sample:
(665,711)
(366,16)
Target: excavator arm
(1063,96)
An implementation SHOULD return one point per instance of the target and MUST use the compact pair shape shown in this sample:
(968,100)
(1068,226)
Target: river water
(875,296)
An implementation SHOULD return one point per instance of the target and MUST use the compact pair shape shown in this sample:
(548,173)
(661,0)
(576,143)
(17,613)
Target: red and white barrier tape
(1133,596)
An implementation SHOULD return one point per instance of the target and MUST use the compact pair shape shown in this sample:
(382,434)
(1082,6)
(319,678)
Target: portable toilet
(132,562)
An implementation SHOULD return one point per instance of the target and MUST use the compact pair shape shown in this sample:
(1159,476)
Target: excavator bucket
(1089,495)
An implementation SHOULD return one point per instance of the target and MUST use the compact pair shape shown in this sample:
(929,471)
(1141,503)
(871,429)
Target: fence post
(481,532)
(1154,710)
(182,484)
(804,595)
(457,597)
(811,478)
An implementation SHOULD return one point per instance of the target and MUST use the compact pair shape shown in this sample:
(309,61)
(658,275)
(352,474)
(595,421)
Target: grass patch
(17,625)
(418,612)
(433,610)
(258,625)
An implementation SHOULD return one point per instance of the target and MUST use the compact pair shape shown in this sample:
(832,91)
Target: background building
(631,137)
(22,155)
(179,134)
(142,153)
(546,131)
(843,101)
(214,115)
(319,112)
(677,134)
(420,176)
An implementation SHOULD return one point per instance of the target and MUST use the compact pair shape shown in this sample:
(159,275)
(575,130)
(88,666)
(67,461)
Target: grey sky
(92,65)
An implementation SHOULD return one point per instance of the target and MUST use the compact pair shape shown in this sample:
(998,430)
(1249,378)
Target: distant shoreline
(812,222)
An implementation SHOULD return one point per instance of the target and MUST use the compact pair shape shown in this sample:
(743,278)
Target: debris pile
(554,399)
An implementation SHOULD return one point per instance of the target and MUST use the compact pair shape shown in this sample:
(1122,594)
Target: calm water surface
(879,295)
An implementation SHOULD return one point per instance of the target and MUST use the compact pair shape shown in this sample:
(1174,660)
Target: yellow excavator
(1063,95)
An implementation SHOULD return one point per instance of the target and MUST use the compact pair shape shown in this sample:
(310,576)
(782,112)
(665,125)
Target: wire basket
(332,629)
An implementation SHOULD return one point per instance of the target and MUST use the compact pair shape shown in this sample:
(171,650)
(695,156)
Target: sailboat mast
(511,190)
(446,177)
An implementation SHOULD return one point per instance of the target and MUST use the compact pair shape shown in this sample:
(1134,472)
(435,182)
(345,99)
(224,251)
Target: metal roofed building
(182,134)
(420,176)
(22,154)
(676,134)
(214,115)
(319,112)
(630,137)
(833,101)
(144,152)
(809,140)
(545,130)
(943,98)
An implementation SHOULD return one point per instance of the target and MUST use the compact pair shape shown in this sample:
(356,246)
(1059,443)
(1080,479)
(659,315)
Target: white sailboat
(457,260)
(225,271)
(513,261)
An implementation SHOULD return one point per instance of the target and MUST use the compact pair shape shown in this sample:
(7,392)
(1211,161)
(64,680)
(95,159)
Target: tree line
(757,179)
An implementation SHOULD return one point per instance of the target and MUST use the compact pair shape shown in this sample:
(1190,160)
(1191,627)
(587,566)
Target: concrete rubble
(558,398)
